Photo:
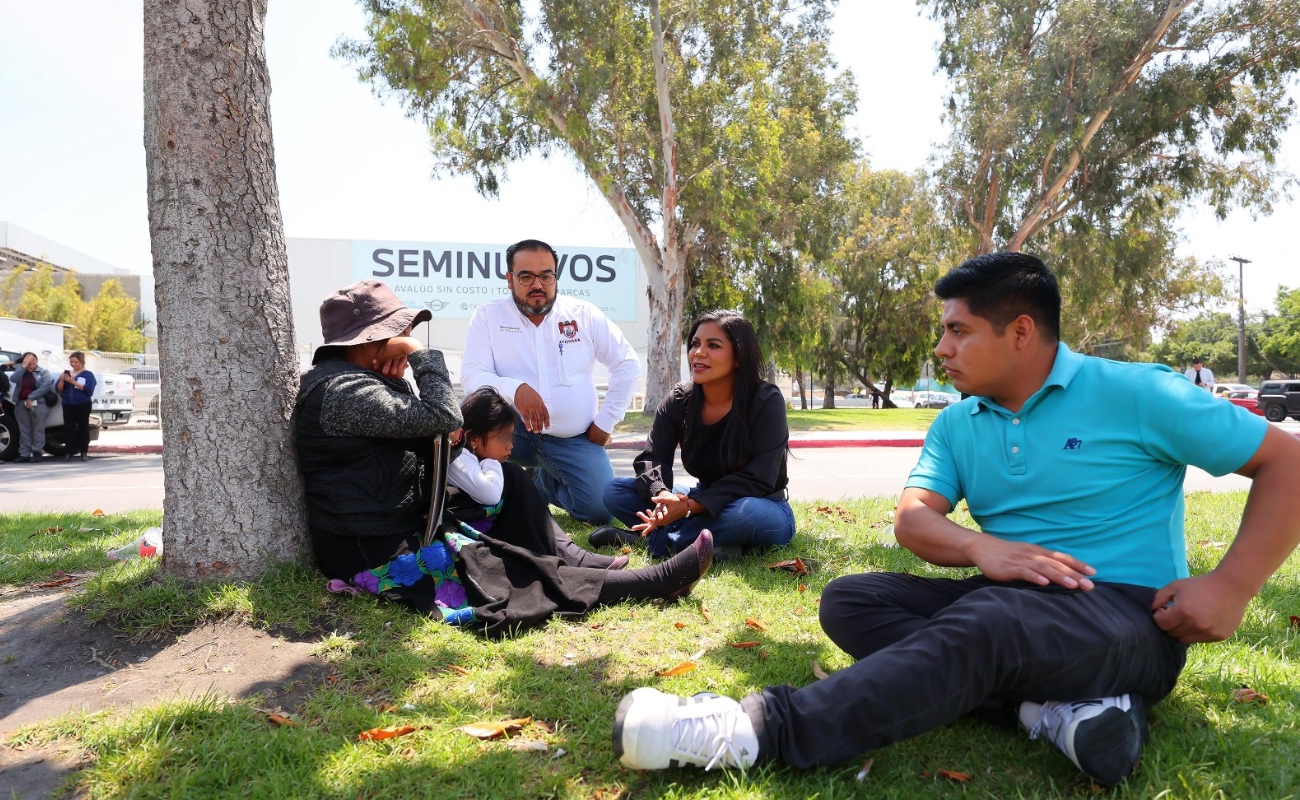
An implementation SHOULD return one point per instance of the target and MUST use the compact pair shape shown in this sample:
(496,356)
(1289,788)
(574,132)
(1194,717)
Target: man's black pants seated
(931,650)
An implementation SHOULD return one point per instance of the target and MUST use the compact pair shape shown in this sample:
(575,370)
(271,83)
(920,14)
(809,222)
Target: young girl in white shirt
(477,474)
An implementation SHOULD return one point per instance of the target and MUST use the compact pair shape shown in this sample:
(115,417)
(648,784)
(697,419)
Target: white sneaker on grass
(1103,737)
(654,730)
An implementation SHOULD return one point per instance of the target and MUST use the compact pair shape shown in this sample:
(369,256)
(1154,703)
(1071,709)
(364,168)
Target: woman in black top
(734,439)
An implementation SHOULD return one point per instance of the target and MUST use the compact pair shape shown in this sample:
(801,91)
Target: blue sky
(352,166)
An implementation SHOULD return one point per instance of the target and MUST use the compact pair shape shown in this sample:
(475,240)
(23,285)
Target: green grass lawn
(393,668)
(827,419)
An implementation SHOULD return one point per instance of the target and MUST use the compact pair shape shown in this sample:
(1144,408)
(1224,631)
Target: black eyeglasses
(526,278)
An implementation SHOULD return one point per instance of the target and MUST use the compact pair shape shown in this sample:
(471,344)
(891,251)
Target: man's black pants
(932,650)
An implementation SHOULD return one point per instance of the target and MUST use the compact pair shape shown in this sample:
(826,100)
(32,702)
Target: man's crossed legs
(930,651)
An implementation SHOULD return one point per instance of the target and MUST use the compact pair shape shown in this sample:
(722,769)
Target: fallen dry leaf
(280,719)
(952,775)
(1248,695)
(679,625)
(756,624)
(543,725)
(491,730)
(818,672)
(595,626)
(803,587)
(44,531)
(708,615)
(391,732)
(52,584)
(1295,621)
(796,565)
(99,512)
(866,770)
(742,645)
(836,512)
(458,669)
(680,669)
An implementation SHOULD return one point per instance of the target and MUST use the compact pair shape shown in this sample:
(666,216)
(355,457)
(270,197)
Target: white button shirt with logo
(557,358)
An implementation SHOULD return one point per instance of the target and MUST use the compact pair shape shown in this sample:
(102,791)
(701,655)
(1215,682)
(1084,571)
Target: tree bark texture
(229,365)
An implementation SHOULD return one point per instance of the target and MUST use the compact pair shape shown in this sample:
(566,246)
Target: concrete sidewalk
(147,439)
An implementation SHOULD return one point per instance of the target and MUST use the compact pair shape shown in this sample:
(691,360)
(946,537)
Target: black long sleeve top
(763,473)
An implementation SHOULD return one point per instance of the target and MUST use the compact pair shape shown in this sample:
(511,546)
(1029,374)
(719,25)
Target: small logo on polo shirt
(569,328)
(1073,444)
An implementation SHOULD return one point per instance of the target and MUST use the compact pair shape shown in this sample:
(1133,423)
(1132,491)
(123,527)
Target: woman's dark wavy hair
(744,344)
(485,412)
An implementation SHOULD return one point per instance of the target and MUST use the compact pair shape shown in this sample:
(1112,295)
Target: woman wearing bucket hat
(365,442)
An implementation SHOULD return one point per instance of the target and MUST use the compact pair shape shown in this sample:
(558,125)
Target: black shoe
(609,536)
(85,456)
(67,456)
(1103,737)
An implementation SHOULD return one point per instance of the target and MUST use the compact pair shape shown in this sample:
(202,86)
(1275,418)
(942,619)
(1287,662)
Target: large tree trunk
(226,349)
(828,394)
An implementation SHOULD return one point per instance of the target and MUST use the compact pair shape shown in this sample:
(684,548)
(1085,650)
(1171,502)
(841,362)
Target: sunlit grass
(389,667)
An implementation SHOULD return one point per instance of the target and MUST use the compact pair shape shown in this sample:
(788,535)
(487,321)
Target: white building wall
(317,267)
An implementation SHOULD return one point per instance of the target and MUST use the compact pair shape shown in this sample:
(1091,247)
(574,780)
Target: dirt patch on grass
(53,662)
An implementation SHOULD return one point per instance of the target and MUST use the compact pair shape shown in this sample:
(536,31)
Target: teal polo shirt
(1092,465)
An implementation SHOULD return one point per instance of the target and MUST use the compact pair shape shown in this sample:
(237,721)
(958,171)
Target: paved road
(120,482)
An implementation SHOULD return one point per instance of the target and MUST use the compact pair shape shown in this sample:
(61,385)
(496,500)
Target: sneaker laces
(709,737)
(1056,715)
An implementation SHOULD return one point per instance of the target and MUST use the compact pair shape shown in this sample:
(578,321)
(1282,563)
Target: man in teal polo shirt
(1083,609)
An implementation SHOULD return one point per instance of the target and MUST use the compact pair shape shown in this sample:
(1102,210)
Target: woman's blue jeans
(746,522)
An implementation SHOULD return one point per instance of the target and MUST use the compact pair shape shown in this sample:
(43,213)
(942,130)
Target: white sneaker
(1103,737)
(654,730)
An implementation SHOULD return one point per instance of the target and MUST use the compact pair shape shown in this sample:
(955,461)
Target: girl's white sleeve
(482,480)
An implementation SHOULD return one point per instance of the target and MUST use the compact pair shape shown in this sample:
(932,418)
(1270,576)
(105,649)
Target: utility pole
(1241,316)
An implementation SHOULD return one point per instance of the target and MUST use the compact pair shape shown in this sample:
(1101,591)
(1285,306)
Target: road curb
(795,444)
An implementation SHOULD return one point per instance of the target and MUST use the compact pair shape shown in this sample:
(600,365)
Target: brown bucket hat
(366,311)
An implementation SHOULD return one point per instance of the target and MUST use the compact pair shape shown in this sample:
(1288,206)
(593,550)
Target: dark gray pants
(931,650)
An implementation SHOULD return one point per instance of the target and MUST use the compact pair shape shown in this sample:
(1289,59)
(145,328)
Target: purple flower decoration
(450,594)
(404,570)
(367,580)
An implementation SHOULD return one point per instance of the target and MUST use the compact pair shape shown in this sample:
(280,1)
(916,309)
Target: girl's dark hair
(485,411)
(744,344)
(77,354)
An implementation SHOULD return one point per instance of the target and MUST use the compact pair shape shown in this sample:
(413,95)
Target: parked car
(54,444)
(146,389)
(1279,399)
(1233,390)
(934,400)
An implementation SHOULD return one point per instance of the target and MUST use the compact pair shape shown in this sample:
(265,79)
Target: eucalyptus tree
(674,109)
(229,366)
(1074,109)
(884,269)
(1079,130)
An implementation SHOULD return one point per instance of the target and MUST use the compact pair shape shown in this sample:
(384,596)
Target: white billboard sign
(451,279)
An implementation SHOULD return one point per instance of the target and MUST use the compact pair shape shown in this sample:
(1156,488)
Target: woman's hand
(669,507)
(390,361)
(454,437)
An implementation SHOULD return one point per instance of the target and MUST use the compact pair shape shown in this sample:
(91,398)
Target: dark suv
(1279,399)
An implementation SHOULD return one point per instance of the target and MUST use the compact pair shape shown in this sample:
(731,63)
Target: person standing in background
(539,351)
(1200,375)
(31,383)
(76,388)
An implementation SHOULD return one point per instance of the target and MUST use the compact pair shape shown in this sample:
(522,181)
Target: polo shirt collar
(1066,365)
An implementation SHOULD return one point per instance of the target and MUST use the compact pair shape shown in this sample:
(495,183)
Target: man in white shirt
(1200,375)
(539,350)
